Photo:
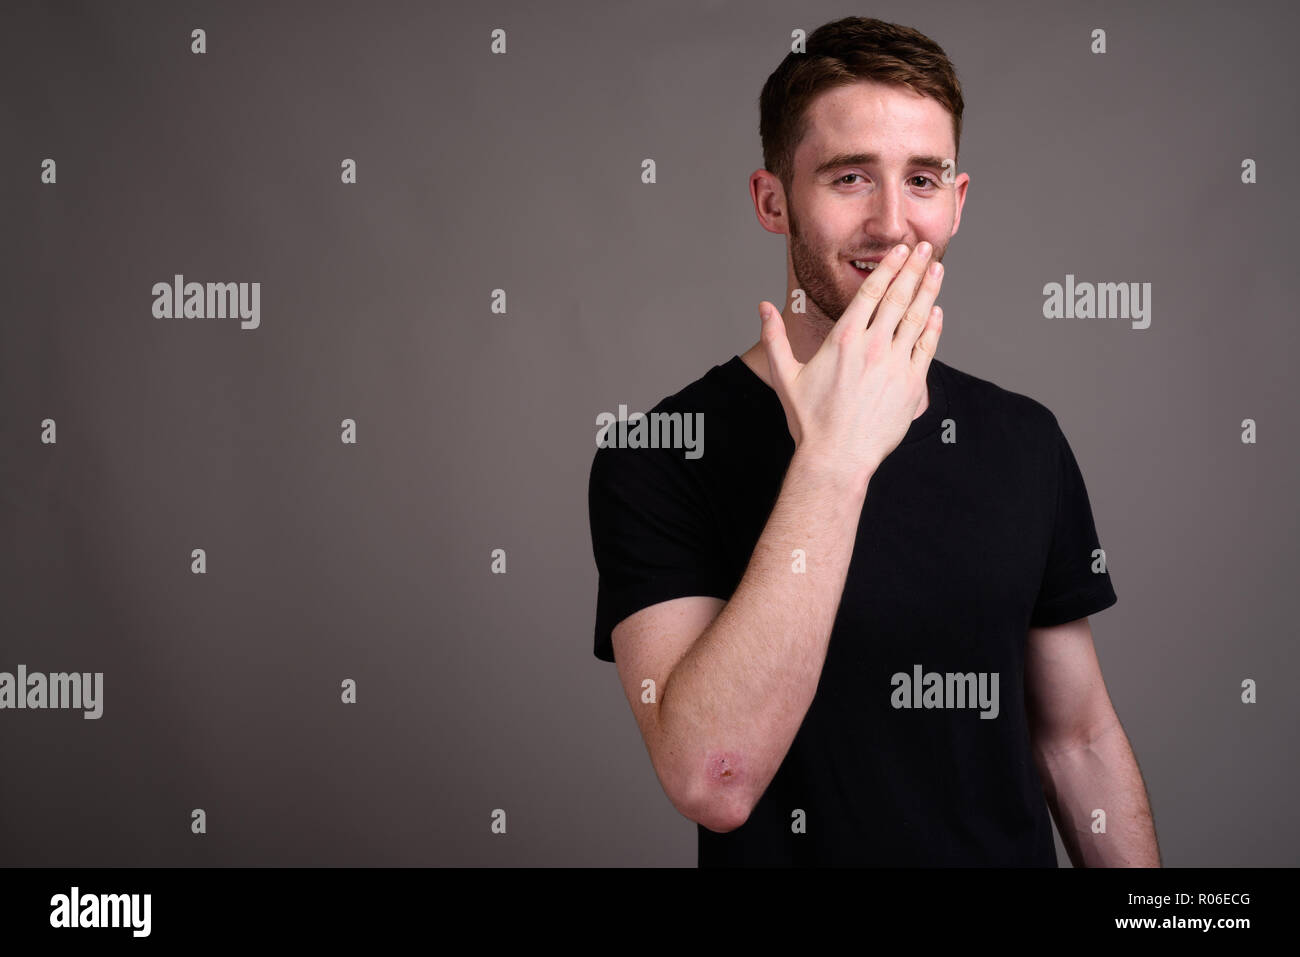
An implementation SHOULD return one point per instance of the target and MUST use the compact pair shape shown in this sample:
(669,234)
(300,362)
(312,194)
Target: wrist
(825,468)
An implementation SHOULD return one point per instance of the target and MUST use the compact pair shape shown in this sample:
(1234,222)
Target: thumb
(780,358)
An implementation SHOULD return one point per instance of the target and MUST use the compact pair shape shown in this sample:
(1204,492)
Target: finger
(780,357)
(925,346)
(918,313)
(899,294)
(857,315)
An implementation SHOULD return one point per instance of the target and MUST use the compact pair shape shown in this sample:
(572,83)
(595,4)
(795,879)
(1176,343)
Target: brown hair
(843,52)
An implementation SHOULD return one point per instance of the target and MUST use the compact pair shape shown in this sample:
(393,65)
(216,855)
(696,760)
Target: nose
(885,220)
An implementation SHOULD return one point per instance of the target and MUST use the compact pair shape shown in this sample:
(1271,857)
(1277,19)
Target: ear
(769,201)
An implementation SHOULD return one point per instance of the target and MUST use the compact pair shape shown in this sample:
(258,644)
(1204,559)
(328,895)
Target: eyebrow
(872,159)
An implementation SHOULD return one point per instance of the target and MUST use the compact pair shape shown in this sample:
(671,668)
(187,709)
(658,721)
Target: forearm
(734,702)
(1100,774)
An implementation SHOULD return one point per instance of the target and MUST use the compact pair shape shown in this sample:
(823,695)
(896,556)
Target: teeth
(863,264)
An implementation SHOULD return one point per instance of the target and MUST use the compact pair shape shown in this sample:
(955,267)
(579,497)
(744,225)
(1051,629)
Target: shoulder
(711,395)
(996,405)
(713,391)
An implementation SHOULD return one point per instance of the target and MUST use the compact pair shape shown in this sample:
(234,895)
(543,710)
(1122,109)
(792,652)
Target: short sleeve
(652,534)
(1071,589)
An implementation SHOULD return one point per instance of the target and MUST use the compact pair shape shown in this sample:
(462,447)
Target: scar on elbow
(723,768)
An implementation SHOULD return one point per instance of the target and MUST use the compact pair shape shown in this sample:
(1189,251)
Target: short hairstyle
(840,53)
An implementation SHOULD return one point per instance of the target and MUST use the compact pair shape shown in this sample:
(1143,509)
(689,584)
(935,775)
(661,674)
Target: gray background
(476,430)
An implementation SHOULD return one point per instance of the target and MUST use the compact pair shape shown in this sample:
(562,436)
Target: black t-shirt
(961,547)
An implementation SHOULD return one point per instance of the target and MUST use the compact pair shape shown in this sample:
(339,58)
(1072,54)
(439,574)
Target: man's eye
(925,180)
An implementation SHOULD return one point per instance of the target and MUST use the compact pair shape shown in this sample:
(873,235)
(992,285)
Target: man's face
(868,175)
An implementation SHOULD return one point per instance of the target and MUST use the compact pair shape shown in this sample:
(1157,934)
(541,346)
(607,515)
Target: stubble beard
(826,299)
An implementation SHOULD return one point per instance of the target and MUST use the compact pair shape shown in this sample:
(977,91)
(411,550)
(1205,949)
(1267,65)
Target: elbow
(720,806)
(713,788)
(724,815)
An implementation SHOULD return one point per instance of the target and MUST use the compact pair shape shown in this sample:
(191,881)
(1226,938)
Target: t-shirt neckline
(753,387)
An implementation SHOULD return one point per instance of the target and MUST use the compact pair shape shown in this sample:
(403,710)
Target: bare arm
(735,700)
(1082,753)
(738,677)
(1100,773)
(735,688)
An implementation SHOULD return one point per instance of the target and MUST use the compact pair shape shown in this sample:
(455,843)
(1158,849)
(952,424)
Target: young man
(855,630)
